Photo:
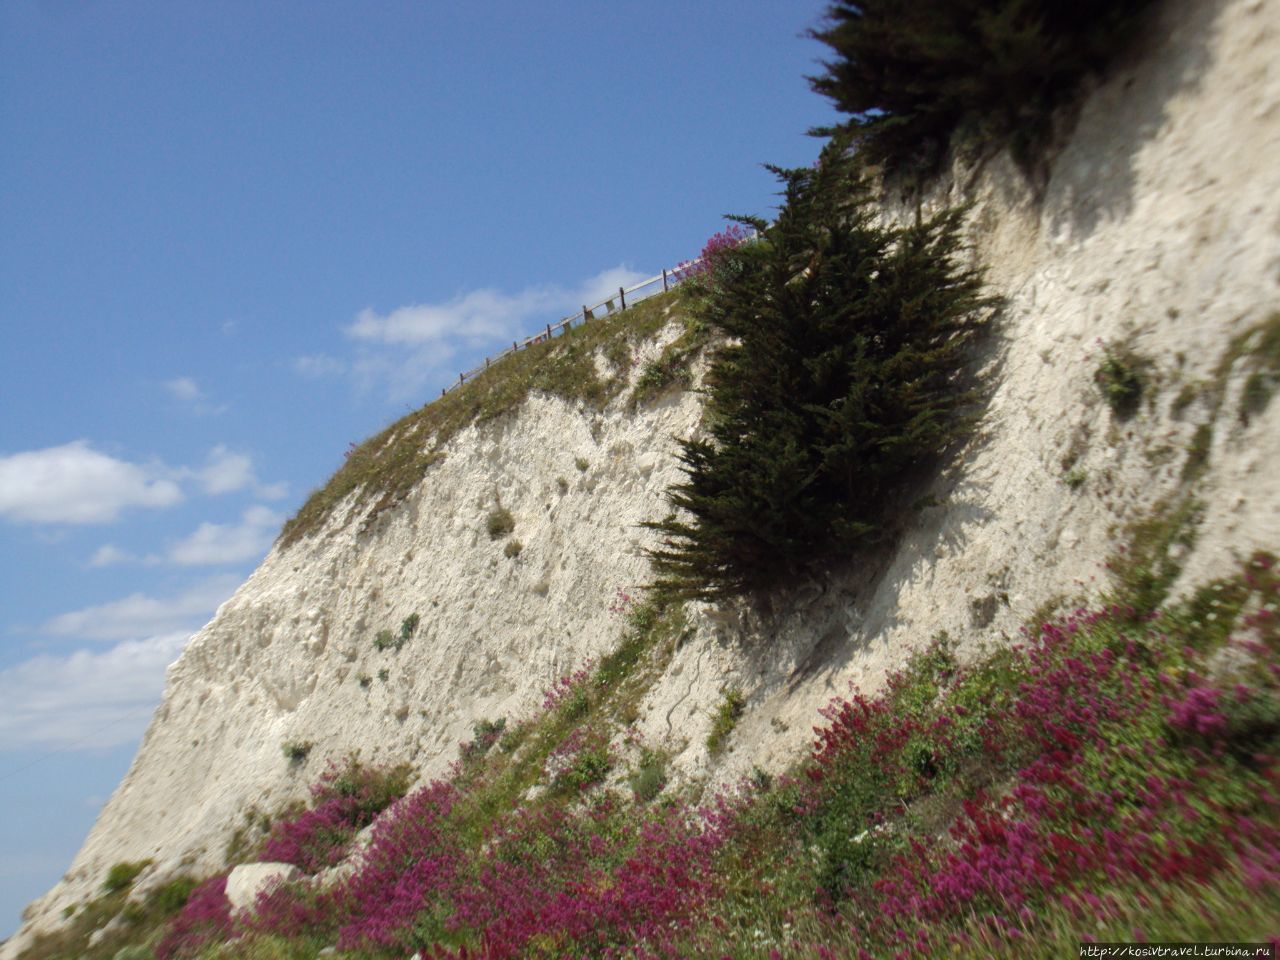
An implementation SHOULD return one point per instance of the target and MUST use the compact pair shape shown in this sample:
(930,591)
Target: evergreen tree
(841,373)
(911,73)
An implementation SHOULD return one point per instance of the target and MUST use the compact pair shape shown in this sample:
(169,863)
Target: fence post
(548,331)
(622,295)
(664,280)
(461,379)
(486,363)
(586,315)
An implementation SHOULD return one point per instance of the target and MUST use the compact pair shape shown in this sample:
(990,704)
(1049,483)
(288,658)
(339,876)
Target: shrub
(512,549)
(484,734)
(913,75)
(581,761)
(568,695)
(648,779)
(725,718)
(295,751)
(386,640)
(408,627)
(122,875)
(345,799)
(205,919)
(499,523)
(702,275)
(839,378)
(1122,379)
(170,897)
(581,463)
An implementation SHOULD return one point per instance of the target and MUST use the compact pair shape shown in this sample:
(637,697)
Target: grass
(649,777)
(603,701)
(1197,461)
(726,716)
(140,922)
(244,843)
(673,367)
(379,473)
(1145,568)
(1187,395)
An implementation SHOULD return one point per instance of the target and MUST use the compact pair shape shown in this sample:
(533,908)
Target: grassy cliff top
(384,468)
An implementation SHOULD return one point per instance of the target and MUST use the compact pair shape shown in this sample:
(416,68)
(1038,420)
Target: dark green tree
(841,373)
(913,73)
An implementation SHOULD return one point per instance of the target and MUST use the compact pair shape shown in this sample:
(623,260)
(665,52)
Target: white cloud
(272,491)
(139,615)
(319,365)
(412,344)
(186,390)
(183,388)
(485,315)
(74,483)
(225,471)
(604,285)
(86,699)
(214,543)
(109,555)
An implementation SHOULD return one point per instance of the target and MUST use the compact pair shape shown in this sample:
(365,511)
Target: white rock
(249,880)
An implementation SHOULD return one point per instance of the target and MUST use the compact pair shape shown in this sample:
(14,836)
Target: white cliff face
(291,657)
(1159,230)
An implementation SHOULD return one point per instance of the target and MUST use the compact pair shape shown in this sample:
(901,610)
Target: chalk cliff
(1158,232)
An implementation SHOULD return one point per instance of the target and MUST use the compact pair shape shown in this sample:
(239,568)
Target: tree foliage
(911,73)
(841,373)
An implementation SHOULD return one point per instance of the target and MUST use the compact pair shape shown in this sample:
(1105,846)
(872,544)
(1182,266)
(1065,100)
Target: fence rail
(625,297)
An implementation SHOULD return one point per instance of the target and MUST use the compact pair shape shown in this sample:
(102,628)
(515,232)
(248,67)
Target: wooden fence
(623,299)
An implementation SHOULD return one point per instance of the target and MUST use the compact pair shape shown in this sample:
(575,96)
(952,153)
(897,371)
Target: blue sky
(235,237)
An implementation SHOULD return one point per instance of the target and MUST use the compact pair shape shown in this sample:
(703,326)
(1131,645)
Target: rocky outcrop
(1158,234)
(249,881)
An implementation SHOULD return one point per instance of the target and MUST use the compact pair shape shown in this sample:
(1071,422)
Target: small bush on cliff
(913,75)
(499,523)
(727,713)
(345,799)
(1122,378)
(846,340)
(296,751)
(122,875)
